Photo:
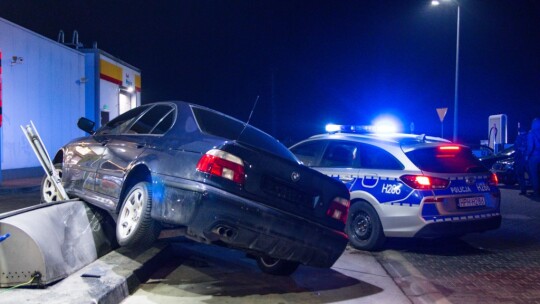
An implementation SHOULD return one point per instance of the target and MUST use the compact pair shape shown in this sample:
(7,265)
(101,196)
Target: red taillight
(339,209)
(493,180)
(425,182)
(223,164)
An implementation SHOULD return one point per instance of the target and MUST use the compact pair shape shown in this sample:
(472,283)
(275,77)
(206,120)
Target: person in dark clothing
(520,162)
(533,155)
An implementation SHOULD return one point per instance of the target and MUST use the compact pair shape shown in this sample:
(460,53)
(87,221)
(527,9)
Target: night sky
(314,62)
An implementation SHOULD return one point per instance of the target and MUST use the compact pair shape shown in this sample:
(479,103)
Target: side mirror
(86,125)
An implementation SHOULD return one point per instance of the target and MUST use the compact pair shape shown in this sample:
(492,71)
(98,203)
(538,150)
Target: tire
(277,266)
(134,226)
(48,192)
(364,227)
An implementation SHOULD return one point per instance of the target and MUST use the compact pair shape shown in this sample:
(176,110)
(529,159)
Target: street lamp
(436,3)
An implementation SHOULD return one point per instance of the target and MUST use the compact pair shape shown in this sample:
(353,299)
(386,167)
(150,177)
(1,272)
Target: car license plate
(470,202)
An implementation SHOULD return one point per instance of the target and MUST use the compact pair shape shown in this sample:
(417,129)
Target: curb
(411,281)
(108,280)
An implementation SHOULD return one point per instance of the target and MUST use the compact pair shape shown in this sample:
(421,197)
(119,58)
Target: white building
(52,84)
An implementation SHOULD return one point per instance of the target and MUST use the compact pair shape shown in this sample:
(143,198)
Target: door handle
(139,146)
(104,142)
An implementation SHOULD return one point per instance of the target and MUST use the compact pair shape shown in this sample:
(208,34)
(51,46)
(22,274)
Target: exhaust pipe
(225,232)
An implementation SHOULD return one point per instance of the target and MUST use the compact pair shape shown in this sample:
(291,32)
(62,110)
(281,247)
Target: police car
(405,185)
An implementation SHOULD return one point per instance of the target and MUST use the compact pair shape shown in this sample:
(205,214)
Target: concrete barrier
(48,242)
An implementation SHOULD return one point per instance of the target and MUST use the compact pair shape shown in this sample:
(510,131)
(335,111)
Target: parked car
(504,169)
(405,185)
(481,150)
(175,164)
(506,173)
(489,160)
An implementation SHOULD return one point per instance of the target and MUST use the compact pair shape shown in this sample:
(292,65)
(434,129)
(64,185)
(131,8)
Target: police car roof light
(333,128)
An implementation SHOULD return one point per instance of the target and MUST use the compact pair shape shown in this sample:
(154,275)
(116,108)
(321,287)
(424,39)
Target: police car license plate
(470,202)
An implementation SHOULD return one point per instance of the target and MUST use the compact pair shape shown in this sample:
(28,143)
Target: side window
(165,124)
(309,152)
(120,123)
(146,123)
(340,154)
(372,157)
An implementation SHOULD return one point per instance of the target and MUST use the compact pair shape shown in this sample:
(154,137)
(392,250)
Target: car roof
(397,139)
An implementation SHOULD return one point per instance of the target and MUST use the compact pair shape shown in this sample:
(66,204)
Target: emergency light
(333,128)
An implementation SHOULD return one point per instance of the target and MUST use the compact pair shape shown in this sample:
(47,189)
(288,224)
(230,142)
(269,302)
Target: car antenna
(249,118)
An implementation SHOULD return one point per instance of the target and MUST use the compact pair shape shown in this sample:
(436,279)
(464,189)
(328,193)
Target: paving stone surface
(501,266)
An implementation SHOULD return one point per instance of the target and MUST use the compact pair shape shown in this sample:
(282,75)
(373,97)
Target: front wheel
(135,227)
(364,227)
(49,193)
(277,266)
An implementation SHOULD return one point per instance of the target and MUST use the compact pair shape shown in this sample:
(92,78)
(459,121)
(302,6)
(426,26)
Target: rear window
(438,159)
(221,125)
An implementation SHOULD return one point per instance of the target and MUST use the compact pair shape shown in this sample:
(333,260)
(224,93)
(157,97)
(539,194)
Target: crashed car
(174,164)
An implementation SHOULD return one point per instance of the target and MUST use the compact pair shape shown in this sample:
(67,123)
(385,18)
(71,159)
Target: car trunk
(288,186)
(470,186)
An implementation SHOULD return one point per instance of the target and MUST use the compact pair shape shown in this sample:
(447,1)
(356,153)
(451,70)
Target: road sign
(442,113)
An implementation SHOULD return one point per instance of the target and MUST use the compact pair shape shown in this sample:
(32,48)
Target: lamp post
(435,3)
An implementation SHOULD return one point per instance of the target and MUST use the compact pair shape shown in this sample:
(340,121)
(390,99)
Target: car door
(122,150)
(379,174)
(340,160)
(334,158)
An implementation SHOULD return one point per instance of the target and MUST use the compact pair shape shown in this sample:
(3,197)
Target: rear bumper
(456,228)
(212,215)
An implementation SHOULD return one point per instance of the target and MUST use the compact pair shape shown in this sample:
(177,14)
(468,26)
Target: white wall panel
(43,88)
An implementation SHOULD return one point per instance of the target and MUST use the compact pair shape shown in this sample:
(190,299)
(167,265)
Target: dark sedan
(174,164)
(489,160)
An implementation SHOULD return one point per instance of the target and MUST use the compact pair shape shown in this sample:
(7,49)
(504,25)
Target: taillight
(493,180)
(222,164)
(339,209)
(425,182)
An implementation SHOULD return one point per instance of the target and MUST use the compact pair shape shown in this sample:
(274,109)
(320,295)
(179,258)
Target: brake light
(493,180)
(423,182)
(449,148)
(222,164)
(339,209)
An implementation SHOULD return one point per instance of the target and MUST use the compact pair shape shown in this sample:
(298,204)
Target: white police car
(405,185)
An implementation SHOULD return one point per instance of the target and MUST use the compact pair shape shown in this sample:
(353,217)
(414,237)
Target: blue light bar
(333,128)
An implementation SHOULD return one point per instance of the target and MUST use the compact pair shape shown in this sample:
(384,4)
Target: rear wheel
(49,193)
(135,227)
(277,266)
(364,227)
